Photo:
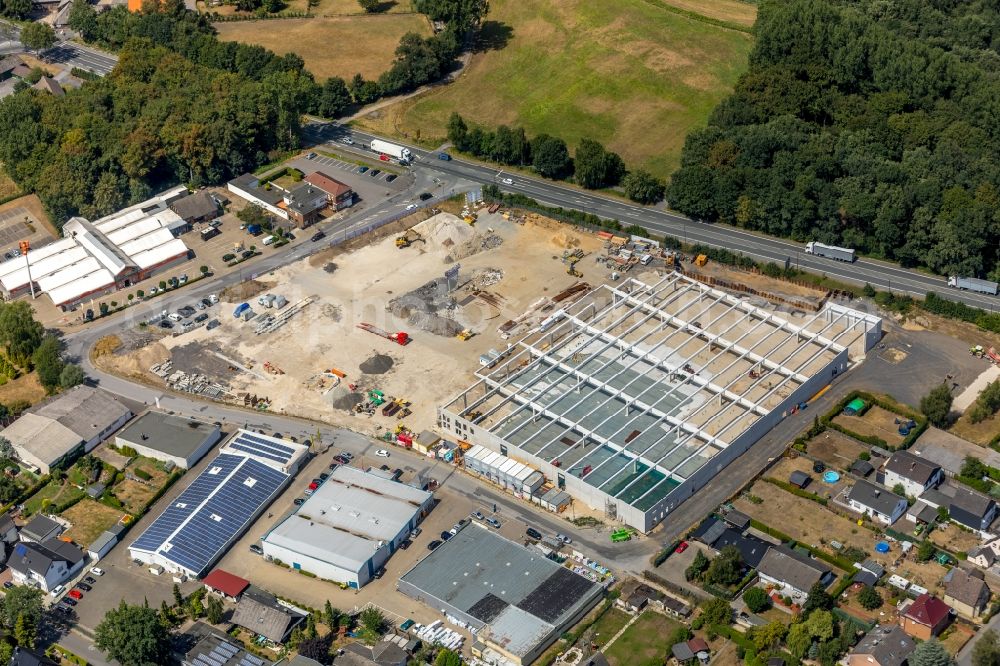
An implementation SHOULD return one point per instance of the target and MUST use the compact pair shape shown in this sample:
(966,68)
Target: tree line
(862,125)
(592,165)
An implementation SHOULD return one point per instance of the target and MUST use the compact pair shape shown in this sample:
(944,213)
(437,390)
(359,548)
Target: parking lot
(19,222)
(356,172)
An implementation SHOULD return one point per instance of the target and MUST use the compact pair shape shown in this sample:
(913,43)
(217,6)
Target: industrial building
(220,504)
(72,422)
(175,439)
(635,395)
(303,204)
(95,258)
(349,527)
(518,601)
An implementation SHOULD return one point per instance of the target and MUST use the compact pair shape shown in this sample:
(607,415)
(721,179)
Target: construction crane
(400,338)
(409,238)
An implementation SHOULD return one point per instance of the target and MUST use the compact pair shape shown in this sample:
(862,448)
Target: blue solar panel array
(263,447)
(212,511)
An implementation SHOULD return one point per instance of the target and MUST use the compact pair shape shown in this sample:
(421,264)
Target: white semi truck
(973,284)
(391,149)
(830,251)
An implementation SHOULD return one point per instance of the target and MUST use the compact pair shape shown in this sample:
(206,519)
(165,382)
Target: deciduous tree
(642,187)
(133,636)
(38,36)
(936,405)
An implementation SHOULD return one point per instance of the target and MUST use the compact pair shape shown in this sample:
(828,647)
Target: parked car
(90,580)
(565,539)
(166,324)
(445,535)
(75,593)
(200,318)
(405,543)
(493,522)
(533,533)
(382,453)
(206,302)
(415,532)
(362,169)
(183,279)
(299,501)
(478,515)
(380,573)
(318,481)
(67,601)
(374,172)
(333,466)
(202,305)
(254,548)
(212,324)
(340,459)
(391,177)
(324,476)
(313,486)
(319,235)
(7,584)
(97,571)
(308,492)
(309,156)
(153,291)
(384,468)
(433,544)
(348,455)
(424,196)
(84,587)
(681,547)
(228,257)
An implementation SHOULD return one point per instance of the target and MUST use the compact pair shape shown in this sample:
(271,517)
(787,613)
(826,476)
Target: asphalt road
(659,220)
(82,57)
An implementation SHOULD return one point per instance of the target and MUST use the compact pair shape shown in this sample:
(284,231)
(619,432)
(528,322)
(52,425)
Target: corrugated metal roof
(73,291)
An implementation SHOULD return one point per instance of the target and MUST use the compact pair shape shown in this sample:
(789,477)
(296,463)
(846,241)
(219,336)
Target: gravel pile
(486,277)
(377,365)
(342,398)
(491,242)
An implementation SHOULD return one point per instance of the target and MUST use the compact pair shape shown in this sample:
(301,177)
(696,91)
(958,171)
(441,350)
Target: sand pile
(377,365)
(565,239)
(445,230)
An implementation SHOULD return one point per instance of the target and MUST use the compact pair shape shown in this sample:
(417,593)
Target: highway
(81,57)
(658,220)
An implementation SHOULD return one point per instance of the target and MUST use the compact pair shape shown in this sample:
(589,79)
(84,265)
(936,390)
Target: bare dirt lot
(504,268)
(954,538)
(763,284)
(835,449)
(90,519)
(876,421)
(135,495)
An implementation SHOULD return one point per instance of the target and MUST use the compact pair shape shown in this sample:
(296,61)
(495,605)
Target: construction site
(376,337)
(633,395)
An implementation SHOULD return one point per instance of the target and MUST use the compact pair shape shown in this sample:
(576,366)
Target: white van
(213,299)
(270,239)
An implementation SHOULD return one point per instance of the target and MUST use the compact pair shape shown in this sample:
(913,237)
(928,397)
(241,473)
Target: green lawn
(609,625)
(644,643)
(54,491)
(632,74)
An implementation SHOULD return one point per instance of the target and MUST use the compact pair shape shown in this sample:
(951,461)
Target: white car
(507,181)
(411,207)
(347,141)
(97,571)
(382,453)
(57,590)
(565,539)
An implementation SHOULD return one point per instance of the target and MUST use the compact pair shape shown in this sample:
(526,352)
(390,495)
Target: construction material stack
(400,338)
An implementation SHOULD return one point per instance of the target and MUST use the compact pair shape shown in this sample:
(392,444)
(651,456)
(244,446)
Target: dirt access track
(393,289)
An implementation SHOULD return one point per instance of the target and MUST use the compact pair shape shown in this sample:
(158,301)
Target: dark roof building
(752,549)
(197,207)
(41,528)
(25,657)
(7,66)
(868,499)
(49,85)
(737,519)
(908,466)
(799,479)
(883,646)
(261,613)
(972,509)
(925,617)
(216,650)
(862,468)
(383,653)
(796,573)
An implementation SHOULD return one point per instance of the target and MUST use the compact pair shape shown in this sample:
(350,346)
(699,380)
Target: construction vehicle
(376,397)
(338,373)
(408,239)
(831,251)
(400,338)
(464,334)
(571,270)
(700,260)
(272,368)
(974,284)
(977,351)
(621,535)
(469,216)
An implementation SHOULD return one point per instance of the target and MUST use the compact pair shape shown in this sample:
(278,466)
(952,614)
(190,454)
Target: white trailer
(974,284)
(391,149)
(830,251)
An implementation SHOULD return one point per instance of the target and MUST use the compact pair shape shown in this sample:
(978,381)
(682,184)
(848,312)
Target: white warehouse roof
(93,256)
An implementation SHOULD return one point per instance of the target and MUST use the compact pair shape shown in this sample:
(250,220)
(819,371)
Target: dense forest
(865,123)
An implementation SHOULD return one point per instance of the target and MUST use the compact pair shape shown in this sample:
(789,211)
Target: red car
(384,158)
(313,486)
(76,594)
(681,547)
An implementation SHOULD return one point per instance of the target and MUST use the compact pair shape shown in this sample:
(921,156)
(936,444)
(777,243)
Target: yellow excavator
(571,268)
(408,239)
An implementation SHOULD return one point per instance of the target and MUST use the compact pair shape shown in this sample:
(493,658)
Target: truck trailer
(391,149)
(974,284)
(830,251)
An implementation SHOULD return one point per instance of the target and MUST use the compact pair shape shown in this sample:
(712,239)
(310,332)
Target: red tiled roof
(928,610)
(332,187)
(225,582)
(697,645)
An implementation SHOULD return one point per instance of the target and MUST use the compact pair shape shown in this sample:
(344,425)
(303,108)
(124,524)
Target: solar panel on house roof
(216,508)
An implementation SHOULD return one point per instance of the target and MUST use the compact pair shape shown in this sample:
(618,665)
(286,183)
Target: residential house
(675,607)
(966,592)
(25,657)
(8,530)
(216,650)
(688,651)
(915,474)
(263,614)
(305,204)
(45,565)
(49,85)
(792,574)
(299,660)
(7,66)
(41,528)
(972,509)
(985,555)
(383,653)
(716,534)
(268,197)
(225,584)
(871,500)
(882,646)
(338,194)
(197,207)
(926,617)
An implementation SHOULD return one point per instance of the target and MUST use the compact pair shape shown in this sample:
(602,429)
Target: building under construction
(633,397)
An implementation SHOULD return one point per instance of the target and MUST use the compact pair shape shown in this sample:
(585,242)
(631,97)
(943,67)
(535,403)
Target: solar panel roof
(266,447)
(215,509)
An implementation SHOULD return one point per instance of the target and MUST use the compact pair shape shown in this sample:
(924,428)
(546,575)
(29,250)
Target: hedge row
(889,405)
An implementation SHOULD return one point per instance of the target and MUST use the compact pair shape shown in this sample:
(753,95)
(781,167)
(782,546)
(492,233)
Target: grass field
(55,491)
(89,519)
(637,75)
(328,7)
(134,495)
(25,387)
(340,46)
(644,643)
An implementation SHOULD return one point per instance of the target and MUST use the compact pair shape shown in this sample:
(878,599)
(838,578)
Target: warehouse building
(71,423)
(518,601)
(96,258)
(634,396)
(175,439)
(349,527)
(197,528)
